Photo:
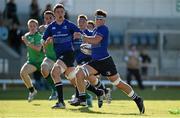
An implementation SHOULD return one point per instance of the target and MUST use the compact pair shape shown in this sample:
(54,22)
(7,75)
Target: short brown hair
(101,13)
(58,6)
(83,16)
(48,13)
(32,20)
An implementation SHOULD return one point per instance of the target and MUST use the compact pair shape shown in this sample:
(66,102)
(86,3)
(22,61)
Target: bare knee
(55,73)
(80,74)
(92,79)
(44,71)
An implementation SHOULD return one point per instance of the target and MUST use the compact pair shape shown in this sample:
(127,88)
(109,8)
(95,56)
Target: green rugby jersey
(33,55)
(49,49)
(49,52)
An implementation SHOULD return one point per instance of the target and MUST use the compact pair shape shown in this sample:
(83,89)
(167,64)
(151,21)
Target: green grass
(164,102)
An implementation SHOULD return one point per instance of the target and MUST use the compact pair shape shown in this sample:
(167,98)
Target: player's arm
(48,40)
(29,44)
(47,36)
(92,39)
(35,47)
(26,42)
(88,39)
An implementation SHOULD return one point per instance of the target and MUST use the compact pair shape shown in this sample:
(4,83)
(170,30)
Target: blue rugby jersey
(79,56)
(62,35)
(99,51)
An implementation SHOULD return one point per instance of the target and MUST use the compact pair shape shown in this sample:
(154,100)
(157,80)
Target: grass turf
(164,102)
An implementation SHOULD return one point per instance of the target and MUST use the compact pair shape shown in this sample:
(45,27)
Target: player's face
(99,22)
(59,13)
(32,27)
(48,18)
(82,23)
(90,26)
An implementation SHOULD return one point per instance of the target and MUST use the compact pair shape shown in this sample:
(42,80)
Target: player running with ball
(102,62)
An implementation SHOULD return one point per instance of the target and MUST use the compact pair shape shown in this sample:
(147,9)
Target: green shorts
(36,64)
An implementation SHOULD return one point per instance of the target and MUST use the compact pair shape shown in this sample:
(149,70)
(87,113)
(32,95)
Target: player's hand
(25,40)
(77,35)
(49,40)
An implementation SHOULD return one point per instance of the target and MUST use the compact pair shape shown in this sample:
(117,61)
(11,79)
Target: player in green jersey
(50,56)
(35,55)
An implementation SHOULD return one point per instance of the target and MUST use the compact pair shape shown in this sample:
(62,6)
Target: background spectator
(10,12)
(34,10)
(48,8)
(133,64)
(14,38)
(146,60)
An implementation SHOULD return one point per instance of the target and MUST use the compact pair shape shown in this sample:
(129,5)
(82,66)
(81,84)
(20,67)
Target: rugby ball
(86,48)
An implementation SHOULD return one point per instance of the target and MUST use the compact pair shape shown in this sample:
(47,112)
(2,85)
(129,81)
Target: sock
(82,97)
(91,88)
(99,85)
(77,93)
(88,95)
(133,95)
(59,88)
(51,83)
(31,89)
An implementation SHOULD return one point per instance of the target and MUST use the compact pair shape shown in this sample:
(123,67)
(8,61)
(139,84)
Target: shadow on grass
(36,104)
(134,114)
(87,110)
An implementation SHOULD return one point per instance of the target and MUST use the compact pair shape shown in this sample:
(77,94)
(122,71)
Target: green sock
(88,95)
(51,83)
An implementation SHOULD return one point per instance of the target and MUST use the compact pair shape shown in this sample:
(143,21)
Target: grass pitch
(164,102)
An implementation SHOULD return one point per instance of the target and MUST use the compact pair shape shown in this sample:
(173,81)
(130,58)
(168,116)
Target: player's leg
(82,73)
(25,72)
(98,92)
(89,99)
(109,70)
(70,75)
(46,67)
(58,68)
(120,84)
(99,85)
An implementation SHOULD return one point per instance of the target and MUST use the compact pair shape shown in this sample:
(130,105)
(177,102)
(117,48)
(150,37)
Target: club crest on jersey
(31,39)
(61,57)
(53,28)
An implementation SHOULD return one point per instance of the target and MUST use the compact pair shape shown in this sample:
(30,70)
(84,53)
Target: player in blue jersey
(60,32)
(83,58)
(102,62)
